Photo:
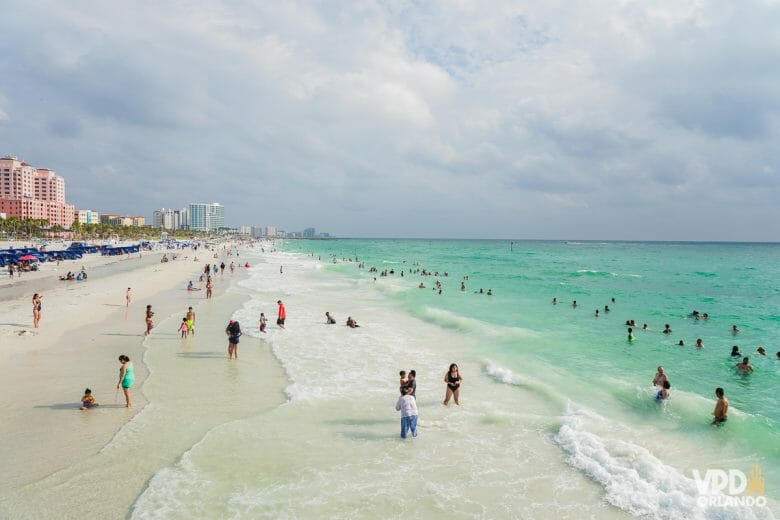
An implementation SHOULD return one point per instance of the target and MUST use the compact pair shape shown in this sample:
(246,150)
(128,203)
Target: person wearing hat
(233,332)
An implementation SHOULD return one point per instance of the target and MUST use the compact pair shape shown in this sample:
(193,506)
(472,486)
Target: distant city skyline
(654,121)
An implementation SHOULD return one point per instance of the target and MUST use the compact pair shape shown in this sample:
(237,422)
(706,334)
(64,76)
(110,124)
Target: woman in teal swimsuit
(126,379)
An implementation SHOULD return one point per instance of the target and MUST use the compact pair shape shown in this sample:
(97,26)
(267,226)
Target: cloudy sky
(500,119)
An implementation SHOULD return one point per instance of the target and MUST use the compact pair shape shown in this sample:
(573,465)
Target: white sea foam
(450,320)
(635,480)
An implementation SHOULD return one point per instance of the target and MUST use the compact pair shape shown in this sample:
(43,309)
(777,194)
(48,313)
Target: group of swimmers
(661,380)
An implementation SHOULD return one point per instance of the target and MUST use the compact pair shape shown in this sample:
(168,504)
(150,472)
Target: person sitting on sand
(329,320)
(191,286)
(721,411)
(663,393)
(744,367)
(87,401)
(735,351)
(352,323)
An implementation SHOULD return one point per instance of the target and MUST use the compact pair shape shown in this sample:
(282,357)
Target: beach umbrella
(28,258)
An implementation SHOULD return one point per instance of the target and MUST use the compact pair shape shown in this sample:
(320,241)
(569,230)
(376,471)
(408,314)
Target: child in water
(263,322)
(184,328)
(663,394)
(404,380)
(87,401)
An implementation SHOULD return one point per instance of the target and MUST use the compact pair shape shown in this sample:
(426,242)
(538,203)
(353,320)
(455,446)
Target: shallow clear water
(558,416)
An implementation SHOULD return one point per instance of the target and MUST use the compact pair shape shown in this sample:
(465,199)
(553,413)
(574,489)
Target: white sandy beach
(44,371)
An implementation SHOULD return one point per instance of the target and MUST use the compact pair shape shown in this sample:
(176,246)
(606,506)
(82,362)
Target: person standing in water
(126,379)
(660,377)
(36,306)
(233,332)
(721,411)
(407,405)
(263,322)
(282,316)
(745,367)
(453,380)
(149,320)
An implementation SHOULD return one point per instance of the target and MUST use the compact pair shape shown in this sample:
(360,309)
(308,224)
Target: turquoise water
(588,359)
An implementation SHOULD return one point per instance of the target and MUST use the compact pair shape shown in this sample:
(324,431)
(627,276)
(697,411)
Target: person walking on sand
(453,379)
(149,320)
(126,379)
(209,287)
(282,316)
(36,305)
(191,321)
(128,297)
(233,332)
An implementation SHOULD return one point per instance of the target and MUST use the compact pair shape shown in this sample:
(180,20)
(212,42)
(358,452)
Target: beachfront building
(87,216)
(115,219)
(270,231)
(169,218)
(309,233)
(27,192)
(206,217)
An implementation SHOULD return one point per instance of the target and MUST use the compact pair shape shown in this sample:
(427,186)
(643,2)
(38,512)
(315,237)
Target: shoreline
(44,374)
(165,378)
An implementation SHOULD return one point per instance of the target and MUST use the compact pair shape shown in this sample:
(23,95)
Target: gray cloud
(405,119)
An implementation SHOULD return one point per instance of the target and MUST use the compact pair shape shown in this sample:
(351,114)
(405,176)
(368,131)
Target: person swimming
(744,367)
(667,329)
(681,343)
(735,351)
(761,351)
(630,334)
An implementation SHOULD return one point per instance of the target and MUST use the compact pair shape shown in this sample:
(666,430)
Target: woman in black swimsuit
(36,303)
(453,380)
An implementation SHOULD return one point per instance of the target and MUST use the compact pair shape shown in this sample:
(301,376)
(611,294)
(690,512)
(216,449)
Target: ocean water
(557,418)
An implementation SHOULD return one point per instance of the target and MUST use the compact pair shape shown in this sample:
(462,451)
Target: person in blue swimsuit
(126,379)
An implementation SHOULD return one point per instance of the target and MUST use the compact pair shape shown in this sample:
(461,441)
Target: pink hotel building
(29,192)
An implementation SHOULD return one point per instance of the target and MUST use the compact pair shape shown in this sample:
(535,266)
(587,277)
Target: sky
(647,120)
